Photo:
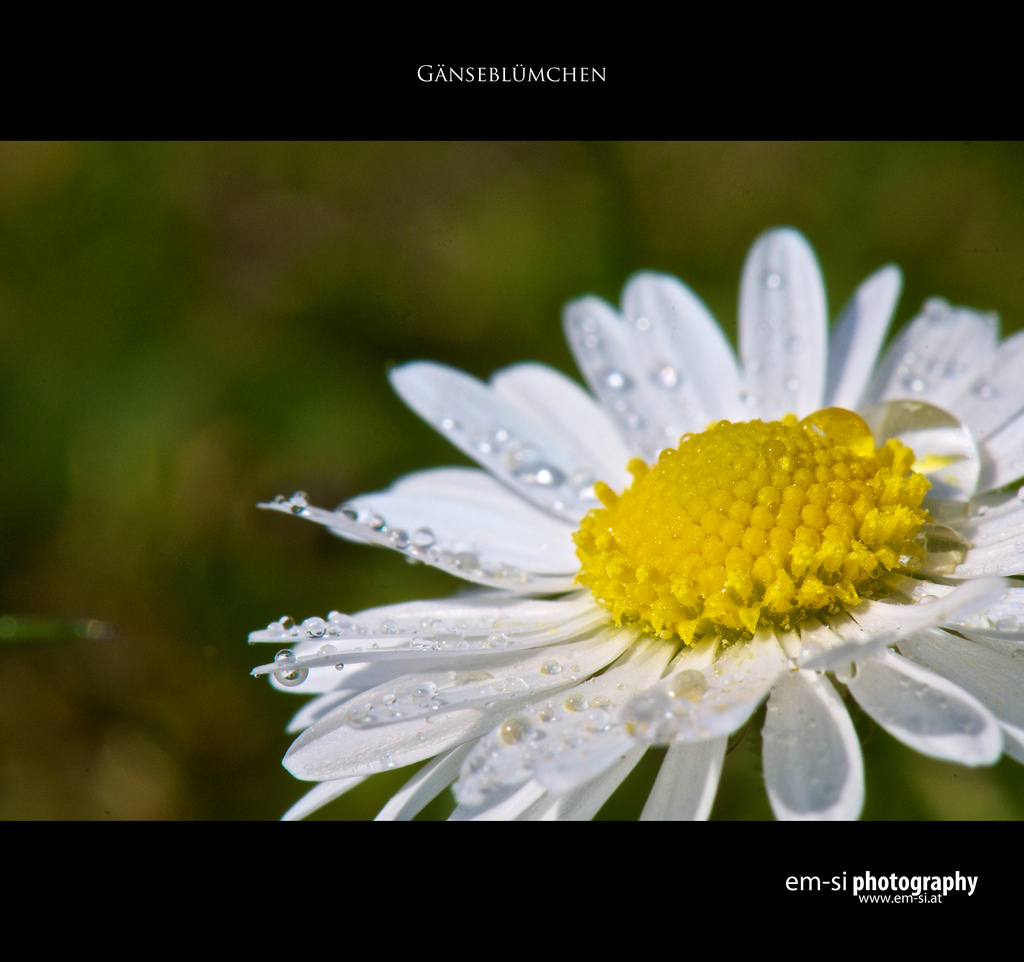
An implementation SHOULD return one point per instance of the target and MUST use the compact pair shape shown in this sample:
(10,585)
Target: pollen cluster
(751,524)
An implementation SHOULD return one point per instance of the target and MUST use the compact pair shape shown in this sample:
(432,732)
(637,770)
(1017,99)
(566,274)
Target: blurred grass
(188,329)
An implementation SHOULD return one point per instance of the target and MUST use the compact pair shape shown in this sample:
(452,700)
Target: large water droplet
(292,677)
(423,693)
(689,684)
(515,729)
(314,627)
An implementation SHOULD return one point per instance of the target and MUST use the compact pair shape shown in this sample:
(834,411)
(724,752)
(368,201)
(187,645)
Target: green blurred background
(188,329)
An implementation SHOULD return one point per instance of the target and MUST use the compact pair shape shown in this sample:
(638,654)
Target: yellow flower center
(753,524)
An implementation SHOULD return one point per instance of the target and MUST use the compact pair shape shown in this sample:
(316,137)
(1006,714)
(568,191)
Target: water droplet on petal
(314,627)
(551,668)
(689,684)
(296,676)
(423,538)
(423,693)
(515,729)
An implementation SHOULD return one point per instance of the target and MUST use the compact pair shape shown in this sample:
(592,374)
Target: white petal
(432,779)
(936,356)
(470,622)
(503,805)
(946,452)
(319,796)
(896,621)
(687,782)
(600,343)
(470,513)
(1000,520)
(926,711)
(447,684)
(993,396)
(1001,558)
(1003,455)
(812,761)
(570,414)
(680,350)
(568,740)
(996,679)
(493,571)
(583,803)
(782,326)
(857,337)
(332,749)
(353,654)
(1013,743)
(517,450)
(686,708)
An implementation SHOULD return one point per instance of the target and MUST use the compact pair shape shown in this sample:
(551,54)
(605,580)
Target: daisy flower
(814,521)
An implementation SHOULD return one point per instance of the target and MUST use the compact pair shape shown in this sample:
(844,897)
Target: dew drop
(284,657)
(450,424)
(616,380)
(314,627)
(689,684)
(293,677)
(515,729)
(388,627)
(423,538)
(423,693)
(667,377)
(466,561)
(543,474)
(991,568)
(773,280)
(398,538)
(286,622)
(551,668)
(1007,623)
(497,639)
(575,702)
